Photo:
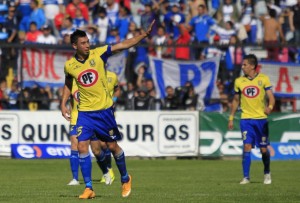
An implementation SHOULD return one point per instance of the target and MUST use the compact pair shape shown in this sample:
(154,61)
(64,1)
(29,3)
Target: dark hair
(76,34)
(36,2)
(252,60)
(230,23)
(101,10)
(273,13)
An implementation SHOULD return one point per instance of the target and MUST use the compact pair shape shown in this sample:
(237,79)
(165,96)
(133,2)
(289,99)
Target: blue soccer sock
(86,169)
(246,164)
(74,163)
(120,162)
(108,157)
(266,162)
(102,162)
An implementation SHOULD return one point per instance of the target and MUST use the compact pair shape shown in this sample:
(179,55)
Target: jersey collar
(76,57)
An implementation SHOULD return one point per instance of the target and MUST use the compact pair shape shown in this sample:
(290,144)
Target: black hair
(252,60)
(102,10)
(273,13)
(76,34)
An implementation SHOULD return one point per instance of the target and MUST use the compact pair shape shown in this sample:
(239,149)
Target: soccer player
(96,114)
(108,176)
(250,91)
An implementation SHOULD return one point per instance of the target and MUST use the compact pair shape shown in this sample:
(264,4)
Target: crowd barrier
(44,134)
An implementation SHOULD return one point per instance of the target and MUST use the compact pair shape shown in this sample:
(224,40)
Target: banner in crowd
(216,140)
(285,78)
(153,134)
(46,67)
(203,75)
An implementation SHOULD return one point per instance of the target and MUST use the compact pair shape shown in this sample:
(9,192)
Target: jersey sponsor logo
(88,77)
(76,95)
(250,91)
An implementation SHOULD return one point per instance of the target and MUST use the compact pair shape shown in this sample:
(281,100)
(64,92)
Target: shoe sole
(127,194)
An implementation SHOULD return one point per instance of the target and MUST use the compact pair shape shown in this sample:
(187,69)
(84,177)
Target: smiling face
(82,46)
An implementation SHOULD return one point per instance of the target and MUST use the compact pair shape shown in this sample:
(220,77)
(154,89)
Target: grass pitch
(157,181)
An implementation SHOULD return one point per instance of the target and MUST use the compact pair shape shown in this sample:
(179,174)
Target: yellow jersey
(112,80)
(90,77)
(252,95)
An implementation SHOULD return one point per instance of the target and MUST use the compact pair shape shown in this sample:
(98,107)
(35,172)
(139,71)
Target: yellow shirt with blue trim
(90,77)
(252,95)
(75,102)
(112,80)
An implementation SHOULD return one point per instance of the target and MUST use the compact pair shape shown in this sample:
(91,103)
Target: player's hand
(149,30)
(268,110)
(65,113)
(230,125)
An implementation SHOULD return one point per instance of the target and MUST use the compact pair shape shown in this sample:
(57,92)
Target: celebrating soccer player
(96,114)
(250,91)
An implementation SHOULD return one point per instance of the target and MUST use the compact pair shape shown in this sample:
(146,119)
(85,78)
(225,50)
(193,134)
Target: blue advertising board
(280,151)
(40,151)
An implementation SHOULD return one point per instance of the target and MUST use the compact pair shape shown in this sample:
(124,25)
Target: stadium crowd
(224,28)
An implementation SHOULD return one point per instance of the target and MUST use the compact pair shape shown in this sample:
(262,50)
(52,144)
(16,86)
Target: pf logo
(88,77)
(251,91)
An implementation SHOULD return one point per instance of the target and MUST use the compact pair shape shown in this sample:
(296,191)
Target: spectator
(190,100)
(24,99)
(92,34)
(51,9)
(23,8)
(114,36)
(143,101)
(182,50)
(294,20)
(32,35)
(79,21)
(225,33)
(3,94)
(13,95)
(272,30)
(227,12)
(102,23)
(193,8)
(170,102)
(11,25)
(147,17)
(46,37)
(123,21)
(172,19)
(160,40)
(201,25)
(127,96)
(77,4)
(67,28)
(66,39)
(37,15)
(112,10)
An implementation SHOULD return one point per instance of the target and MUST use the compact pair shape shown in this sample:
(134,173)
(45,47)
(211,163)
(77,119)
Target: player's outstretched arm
(66,94)
(126,44)
(235,104)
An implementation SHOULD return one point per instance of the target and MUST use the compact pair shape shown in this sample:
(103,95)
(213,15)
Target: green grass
(153,181)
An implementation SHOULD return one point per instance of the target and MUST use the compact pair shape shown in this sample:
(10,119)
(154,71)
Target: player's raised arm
(126,44)
(235,104)
(66,94)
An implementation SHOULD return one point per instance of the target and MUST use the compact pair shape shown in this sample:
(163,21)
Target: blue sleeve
(106,54)
(191,23)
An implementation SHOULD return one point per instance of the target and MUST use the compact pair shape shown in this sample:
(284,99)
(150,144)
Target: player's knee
(247,147)
(83,147)
(263,150)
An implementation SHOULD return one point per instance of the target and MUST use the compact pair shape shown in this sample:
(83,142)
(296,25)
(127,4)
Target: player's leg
(74,158)
(107,152)
(263,142)
(84,133)
(119,157)
(100,157)
(248,141)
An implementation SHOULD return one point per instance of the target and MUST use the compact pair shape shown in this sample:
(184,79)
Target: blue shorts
(73,132)
(101,123)
(255,132)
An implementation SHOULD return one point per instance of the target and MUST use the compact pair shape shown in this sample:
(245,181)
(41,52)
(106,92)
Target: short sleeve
(236,87)
(268,84)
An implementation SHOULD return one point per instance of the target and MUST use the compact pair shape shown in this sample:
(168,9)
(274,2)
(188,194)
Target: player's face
(83,46)
(246,67)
